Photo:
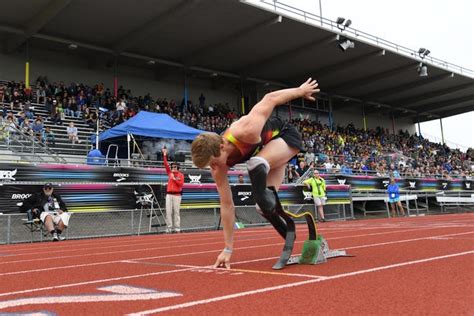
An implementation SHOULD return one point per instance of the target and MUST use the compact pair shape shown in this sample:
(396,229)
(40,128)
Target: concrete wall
(354,115)
(71,67)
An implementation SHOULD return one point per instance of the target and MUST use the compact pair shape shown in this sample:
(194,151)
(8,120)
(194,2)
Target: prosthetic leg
(270,208)
(258,169)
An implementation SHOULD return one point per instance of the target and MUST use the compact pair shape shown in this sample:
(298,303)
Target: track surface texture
(403,266)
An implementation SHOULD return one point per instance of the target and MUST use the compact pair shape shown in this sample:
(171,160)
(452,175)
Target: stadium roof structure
(271,43)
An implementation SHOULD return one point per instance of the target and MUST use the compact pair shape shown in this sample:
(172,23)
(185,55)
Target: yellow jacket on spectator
(318,186)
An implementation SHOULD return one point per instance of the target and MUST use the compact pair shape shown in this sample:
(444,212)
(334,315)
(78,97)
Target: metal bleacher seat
(446,202)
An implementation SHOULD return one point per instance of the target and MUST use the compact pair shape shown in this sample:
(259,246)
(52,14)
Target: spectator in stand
(346,169)
(2,93)
(26,127)
(12,129)
(120,107)
(394,198)
(292,175)
(27,109)
(56,117)
(49,137)
(41,96)
(50,208)
(174,190)
(38,129)
(241,179)
(16,100)
(202,100)
(309,157)
(72,133)
(317,185)
(21,118)
(302,168)
(328,165)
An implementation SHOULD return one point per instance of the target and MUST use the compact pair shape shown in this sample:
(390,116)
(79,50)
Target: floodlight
(345,44)
(348,23)
(423,52)
(340,20)
(422,70)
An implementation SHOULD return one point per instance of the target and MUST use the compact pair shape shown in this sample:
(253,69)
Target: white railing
(450,144)
(321,22)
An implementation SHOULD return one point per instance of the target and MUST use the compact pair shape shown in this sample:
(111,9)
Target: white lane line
(217,250)
(224,271)
(336,226)
(275,236)
(295,284)
(136,244)
(95,282)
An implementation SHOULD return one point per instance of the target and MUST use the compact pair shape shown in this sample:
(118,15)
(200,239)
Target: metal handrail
(321,22)
(35,144)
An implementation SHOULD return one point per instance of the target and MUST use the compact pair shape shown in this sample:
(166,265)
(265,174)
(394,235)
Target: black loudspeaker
(159,156)
(179,157)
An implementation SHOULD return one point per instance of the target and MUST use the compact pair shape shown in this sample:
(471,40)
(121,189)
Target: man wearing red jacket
(173,194)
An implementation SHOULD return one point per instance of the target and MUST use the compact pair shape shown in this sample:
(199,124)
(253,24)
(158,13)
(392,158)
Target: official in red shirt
(174,191)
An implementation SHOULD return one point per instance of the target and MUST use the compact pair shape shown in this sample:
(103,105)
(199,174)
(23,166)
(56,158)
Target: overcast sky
(446,28)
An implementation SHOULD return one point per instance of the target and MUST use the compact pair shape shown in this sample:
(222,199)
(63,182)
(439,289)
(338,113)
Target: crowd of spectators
(350,150)
(346,150)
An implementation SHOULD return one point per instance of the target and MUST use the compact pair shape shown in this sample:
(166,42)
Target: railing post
(131,222)
(9,221)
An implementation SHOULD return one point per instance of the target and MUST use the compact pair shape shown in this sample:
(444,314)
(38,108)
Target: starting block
(315,249)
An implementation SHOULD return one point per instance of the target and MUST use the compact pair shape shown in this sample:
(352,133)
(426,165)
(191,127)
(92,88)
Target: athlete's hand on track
(223,260)
(309,88)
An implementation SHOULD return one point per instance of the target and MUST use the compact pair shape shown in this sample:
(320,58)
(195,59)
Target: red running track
(417,265)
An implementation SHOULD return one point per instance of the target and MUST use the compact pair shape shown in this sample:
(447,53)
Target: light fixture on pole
(345,43)
(422,68)
(341,25)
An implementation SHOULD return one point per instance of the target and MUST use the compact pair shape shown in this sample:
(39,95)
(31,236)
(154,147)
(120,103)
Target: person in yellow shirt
(318,188)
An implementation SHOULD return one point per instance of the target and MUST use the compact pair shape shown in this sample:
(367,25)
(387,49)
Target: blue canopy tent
(148,124)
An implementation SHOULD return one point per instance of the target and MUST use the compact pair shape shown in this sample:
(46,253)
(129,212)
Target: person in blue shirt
(394,198)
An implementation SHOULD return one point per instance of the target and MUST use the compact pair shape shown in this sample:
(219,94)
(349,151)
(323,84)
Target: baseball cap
(48,185)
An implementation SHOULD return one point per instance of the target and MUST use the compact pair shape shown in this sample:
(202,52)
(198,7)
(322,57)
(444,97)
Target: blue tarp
(154,125)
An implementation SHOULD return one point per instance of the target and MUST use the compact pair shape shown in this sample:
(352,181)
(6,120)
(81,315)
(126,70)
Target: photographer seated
(50,209)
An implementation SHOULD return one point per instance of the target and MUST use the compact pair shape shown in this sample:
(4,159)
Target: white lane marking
(336,226)
(230,272)
(94,282)
(219,242)
(211,251)
(139,275)
(284,286)
(119,293)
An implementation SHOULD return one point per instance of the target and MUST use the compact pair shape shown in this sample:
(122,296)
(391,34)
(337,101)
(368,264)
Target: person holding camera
(50,209)
(174,190)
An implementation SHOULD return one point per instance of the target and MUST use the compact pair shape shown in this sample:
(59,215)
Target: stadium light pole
(321,12)
(442,132)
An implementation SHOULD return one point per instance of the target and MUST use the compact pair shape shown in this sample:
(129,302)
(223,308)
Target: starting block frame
(315,249)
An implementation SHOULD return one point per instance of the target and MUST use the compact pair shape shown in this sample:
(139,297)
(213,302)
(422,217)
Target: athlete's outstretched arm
(271,100)
(249,127)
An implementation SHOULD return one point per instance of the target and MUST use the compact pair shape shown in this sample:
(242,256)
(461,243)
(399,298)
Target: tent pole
(128,147)
(97,134)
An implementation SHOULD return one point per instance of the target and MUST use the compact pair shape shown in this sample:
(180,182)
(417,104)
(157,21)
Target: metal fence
(14,228)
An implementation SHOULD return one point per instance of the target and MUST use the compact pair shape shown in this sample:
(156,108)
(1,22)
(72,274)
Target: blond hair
(204,147)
